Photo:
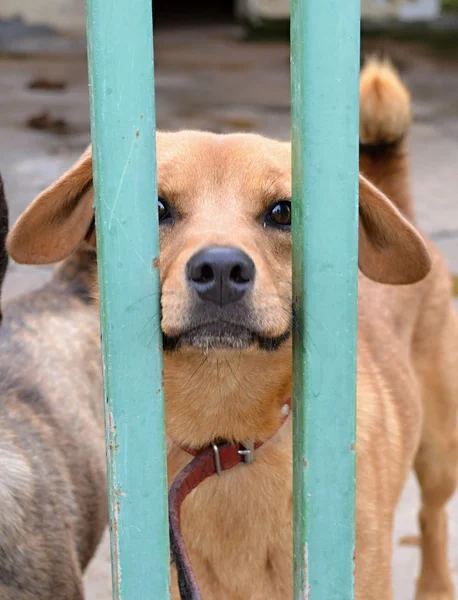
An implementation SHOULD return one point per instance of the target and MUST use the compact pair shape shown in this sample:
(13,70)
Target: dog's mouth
(218,335)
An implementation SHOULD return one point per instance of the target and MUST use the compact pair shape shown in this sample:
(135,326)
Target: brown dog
(52,455)
(226,319)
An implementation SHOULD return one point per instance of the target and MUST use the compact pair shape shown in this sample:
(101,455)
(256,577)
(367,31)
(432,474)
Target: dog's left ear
(58,221)
(390,248)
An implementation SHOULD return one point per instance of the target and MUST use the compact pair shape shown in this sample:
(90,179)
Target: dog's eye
(279,215)
(163,210)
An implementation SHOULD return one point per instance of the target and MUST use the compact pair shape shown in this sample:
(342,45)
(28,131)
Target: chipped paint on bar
(325,124)
(123,133)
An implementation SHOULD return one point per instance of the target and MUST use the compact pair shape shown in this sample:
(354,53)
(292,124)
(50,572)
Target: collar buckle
(247,452)
(217,459)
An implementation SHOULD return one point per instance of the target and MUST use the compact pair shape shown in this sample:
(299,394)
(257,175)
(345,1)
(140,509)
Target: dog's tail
(3,233)
(385,116)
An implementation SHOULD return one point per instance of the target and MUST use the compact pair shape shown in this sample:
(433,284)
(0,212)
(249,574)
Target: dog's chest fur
(238,526)
(241,522)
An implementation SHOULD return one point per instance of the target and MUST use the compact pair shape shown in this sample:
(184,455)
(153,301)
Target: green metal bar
(120,53)
(325,71)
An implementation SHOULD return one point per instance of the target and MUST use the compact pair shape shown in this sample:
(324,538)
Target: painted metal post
(325,72)
(120,53)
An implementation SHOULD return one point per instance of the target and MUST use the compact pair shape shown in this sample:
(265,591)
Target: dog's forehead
(198,159)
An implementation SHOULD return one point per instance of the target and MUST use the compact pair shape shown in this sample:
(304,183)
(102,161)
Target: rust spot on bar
(115,510)
(113,445)
(353,447)
(115,558)
(354,567)
(304,462)
(137,134)
(118,492)
(306,590)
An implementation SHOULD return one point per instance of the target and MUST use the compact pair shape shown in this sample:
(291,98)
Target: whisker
(201,364)
(218,380)
(233,375)
(151,295)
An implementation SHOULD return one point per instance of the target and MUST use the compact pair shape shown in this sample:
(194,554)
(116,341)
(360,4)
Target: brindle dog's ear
(3,234)
(390,248)
(58,221)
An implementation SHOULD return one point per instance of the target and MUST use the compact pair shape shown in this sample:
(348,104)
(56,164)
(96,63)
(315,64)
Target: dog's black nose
(221,274)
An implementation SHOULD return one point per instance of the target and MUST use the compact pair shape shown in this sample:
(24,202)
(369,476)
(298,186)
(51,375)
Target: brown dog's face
(224,210)
(225,231)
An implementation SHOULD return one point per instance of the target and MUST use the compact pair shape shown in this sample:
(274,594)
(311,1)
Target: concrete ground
(209,78)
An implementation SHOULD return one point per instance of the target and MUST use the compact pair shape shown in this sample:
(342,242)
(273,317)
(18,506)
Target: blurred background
(223,65)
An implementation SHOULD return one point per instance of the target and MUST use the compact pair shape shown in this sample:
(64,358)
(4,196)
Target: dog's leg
(436,460)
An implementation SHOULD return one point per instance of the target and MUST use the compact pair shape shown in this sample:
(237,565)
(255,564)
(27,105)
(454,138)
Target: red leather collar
(212,460)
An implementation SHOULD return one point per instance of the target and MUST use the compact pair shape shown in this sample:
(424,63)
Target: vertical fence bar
(120,53)
(325,71)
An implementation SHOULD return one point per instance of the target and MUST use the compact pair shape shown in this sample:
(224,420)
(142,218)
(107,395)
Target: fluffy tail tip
(385,106)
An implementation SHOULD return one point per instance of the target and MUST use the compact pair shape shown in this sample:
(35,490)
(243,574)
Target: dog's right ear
(58,221)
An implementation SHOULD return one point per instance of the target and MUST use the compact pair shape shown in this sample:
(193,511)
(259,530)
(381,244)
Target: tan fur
(67,202)
(238,526)
(385,114)
(385,109)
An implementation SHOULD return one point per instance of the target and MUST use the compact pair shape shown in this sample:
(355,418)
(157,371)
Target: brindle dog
(53,506)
